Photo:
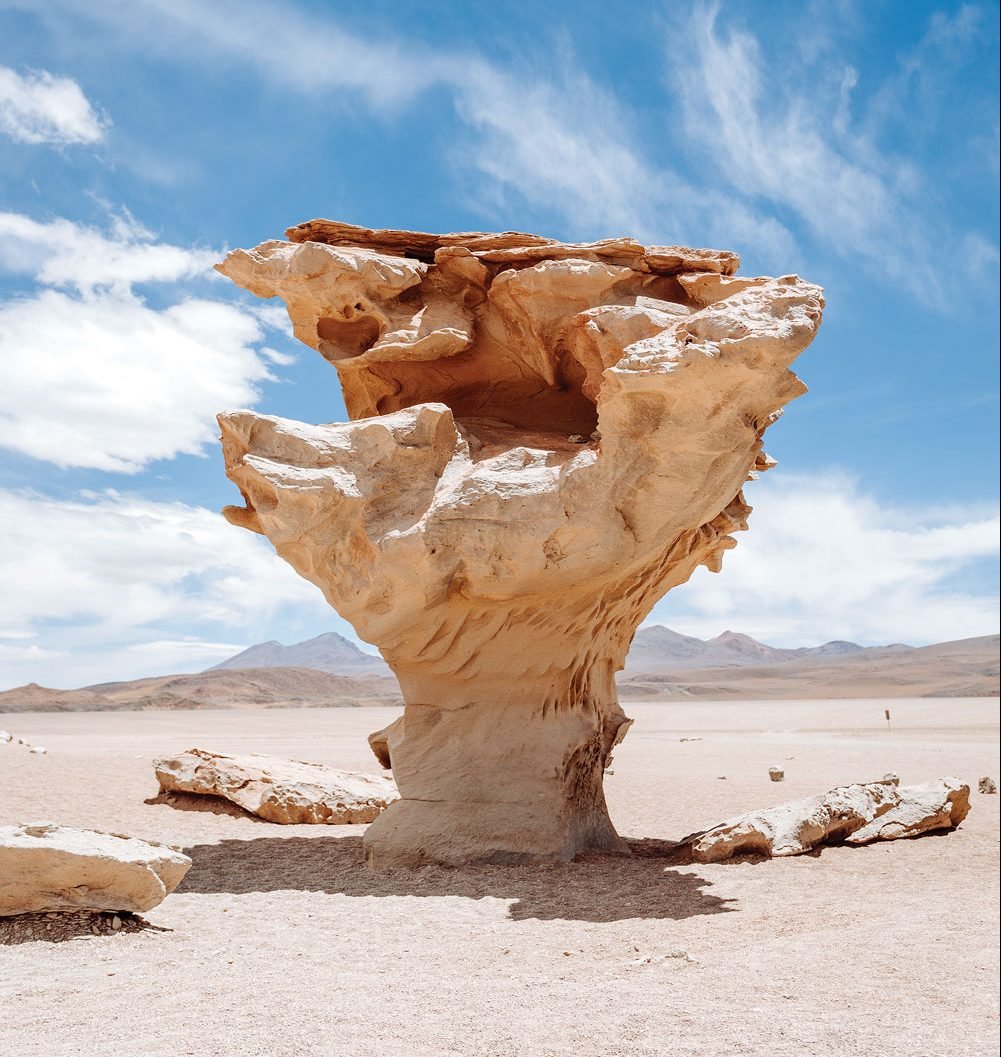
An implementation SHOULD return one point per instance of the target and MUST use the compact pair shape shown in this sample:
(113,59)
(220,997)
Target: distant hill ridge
(326,653)
(655,648)
(663,666)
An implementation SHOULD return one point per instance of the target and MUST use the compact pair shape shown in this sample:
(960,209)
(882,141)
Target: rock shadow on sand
(214,805)
(71,925)
(597,888)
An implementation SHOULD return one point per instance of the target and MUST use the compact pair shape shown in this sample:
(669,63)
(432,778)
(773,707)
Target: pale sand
(281,943)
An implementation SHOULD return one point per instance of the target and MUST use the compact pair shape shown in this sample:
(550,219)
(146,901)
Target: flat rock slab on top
(856,814)
(45,867)
(278,790)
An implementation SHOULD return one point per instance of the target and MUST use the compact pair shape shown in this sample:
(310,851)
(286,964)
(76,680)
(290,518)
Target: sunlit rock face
(545,438)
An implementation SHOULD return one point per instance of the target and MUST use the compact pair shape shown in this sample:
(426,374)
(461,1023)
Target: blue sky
(856,144)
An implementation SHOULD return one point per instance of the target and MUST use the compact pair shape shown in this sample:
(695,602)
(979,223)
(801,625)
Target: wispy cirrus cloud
(39,107)
(546,137)
(819,154)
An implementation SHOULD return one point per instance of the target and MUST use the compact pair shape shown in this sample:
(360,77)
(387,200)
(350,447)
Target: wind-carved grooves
(545,438)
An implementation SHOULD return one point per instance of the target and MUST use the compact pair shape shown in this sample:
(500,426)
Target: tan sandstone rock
(283,791)
(546,438)
(45,867)
(935,806)
(857,814)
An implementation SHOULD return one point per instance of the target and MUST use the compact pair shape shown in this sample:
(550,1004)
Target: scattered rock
(38,750)
(859,814)
(689,739)
(576,438)
(938,805)
(892,778)
(776,774)
(987,785)
(5,736)
(45,867)
(279,790)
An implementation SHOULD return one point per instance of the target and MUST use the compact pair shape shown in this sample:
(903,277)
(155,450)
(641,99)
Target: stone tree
(545,437)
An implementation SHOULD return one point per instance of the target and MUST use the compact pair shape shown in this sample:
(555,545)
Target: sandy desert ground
(280,942)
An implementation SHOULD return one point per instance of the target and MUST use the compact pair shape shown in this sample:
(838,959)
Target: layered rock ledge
(45,867)
(854,814)
(288,792)
(545,438)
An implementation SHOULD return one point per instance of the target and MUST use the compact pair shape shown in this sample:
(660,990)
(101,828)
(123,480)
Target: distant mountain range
(662,666)
(655,648)
(243,688)
(963,668)
(326,653)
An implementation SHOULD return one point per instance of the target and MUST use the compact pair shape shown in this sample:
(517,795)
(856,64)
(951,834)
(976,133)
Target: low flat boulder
(935,806)
(278,790)
(858,814)
(45,867)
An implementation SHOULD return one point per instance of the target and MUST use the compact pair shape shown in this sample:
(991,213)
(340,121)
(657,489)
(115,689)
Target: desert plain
(281,942)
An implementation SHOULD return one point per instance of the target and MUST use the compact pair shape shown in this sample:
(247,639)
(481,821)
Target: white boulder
(858,814)
(45,867)
(278,790)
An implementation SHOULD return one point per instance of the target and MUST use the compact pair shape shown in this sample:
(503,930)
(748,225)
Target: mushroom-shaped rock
(545,438)
(278,790)
(45,867)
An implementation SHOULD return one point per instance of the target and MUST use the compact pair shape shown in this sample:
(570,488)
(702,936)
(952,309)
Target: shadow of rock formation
(70,925)
(215,805)
(594,888)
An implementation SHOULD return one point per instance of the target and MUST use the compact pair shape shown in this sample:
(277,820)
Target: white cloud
(544,134)
(804,151)
(291,47)
(37,107)
(823,560)
(98,378)
(772,144)
(115,587)
(64,254)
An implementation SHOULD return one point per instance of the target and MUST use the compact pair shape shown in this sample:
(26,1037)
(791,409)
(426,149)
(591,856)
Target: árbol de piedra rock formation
(545,438)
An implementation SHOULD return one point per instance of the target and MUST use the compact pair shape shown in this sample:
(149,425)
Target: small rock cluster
(55,927)
(7,738)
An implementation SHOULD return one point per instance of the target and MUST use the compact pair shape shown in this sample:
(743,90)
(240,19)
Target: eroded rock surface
(279,790)
(45,867)
(546,438)
(856,814)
